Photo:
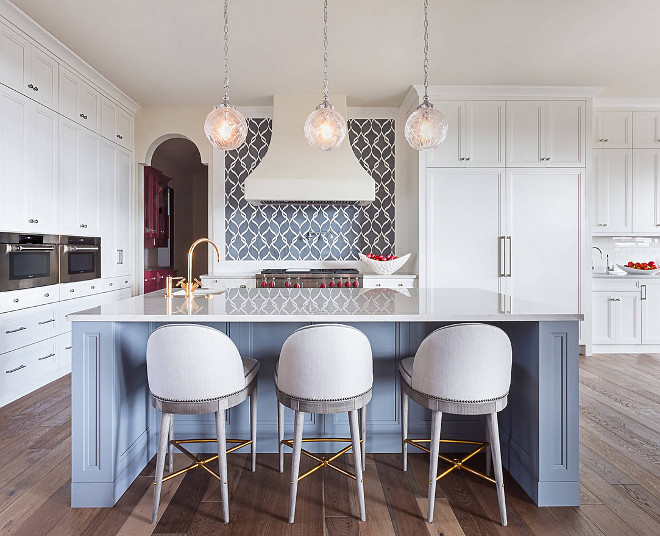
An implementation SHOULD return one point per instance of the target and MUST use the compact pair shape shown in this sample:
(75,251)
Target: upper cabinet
(116,124)
(545,134)
(475,137)
(612,130)
(612,191)
(646,196)
(27,68)
(79,101)
(646,130)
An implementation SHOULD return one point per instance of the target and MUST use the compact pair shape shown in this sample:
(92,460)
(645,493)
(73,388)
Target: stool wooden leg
(222,462)
(494,435)
(253,427)
(404,428)
(363,435)
(433,465)
(280,433)
(295,462)
(165,420)
(489,464)
(357,459)
(170,456)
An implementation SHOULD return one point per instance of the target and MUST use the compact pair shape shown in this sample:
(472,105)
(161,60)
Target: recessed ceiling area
(169,53)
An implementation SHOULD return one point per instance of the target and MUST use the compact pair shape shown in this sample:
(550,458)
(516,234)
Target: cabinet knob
(606,140)
(110,285)
(83,116)
(120,136)
(467,158)
(72,290)
(30,86)
(462,158)
(15,300)
(46,295)
(93,287)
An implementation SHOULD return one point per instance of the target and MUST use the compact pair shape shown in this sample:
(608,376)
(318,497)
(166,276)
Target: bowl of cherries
(384,264)
(640,268)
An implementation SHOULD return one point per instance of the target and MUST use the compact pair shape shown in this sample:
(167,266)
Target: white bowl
(384,267)
(636,272)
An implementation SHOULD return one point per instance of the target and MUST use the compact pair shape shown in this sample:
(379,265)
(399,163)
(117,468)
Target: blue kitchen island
(115,428)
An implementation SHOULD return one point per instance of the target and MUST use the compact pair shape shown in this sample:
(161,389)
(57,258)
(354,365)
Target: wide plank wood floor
(619,473)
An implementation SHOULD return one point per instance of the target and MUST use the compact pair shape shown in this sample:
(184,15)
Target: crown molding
(628,103)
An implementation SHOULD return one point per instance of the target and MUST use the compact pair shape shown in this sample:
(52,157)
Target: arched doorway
(175,210)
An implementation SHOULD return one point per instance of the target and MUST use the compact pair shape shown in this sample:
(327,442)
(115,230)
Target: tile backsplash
(621,250)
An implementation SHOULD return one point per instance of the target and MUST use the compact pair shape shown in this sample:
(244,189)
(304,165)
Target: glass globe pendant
(225,127)
(426,127)
(325,128)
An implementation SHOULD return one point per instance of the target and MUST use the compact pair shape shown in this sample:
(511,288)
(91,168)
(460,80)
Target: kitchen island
(115,429)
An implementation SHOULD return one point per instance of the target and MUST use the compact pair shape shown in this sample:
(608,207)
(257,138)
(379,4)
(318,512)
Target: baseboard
(625,348)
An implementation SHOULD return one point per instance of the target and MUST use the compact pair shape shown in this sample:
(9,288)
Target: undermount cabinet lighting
(426,127)
(325,128)
(225,127)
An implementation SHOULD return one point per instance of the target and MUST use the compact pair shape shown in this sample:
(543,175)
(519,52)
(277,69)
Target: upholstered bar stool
(463,369)
(324,368)
(194,370)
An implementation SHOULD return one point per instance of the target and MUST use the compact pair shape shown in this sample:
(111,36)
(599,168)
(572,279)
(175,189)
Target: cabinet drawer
(116,283)
(79,289)
(22,328)
(23,370)
(372,282)
(14,300)
(614,285)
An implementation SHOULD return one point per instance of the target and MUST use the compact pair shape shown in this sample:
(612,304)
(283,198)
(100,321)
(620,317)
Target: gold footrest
(323,461)
(457,463)
(202,462)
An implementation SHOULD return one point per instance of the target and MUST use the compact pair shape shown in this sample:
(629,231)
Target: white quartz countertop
(330,305)
(623,275)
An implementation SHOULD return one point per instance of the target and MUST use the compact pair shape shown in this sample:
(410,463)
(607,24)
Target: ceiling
(169,52)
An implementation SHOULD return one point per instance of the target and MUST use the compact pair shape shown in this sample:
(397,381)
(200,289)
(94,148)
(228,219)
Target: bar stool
(463,369)
(324,368)
(193,370)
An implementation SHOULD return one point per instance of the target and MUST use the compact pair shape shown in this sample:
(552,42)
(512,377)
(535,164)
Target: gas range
(313,278)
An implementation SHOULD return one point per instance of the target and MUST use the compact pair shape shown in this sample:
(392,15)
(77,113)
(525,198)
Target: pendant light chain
(325,50)
(226,29)
(426,50)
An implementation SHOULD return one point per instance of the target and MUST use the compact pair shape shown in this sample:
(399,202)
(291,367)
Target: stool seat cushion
(406,369)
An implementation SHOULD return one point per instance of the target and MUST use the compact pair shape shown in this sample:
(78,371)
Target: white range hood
(294,172)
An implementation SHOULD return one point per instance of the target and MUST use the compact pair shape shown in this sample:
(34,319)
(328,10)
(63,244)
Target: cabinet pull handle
(30,86)
(643,292)
(502,251)
(14,369)
(46,321)
(16,330)
(46,357)
(68,347)
(509,248)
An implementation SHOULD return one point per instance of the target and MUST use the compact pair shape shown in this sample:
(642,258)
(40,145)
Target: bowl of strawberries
(384,264)
(640,268)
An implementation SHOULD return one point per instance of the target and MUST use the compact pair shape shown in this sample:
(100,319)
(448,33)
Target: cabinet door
(464,226)
(523,133)
(646,130)
(646,191)
(564,134)
(68,94)
(14,59)
(617,130)
(88,184)
(43,177)
(628,319)
(108,119)
(89,107)
(448,154)
(603,314)
(650,312)
(484,134)
(597,130)
(108,208)
(70,160)
(123,135)
(613,191)
(543,220)
(14,114)
(123,201)
(43,77)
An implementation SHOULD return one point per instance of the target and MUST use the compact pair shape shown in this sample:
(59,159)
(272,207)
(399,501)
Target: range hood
(294,172)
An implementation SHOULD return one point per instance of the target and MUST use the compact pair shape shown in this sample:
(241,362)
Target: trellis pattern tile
(278,232)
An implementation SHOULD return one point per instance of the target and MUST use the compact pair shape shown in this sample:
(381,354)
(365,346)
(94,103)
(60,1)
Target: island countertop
(329,305)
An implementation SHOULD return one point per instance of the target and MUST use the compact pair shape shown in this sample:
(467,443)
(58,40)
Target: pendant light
(426,127)
(325,127)
(225,127)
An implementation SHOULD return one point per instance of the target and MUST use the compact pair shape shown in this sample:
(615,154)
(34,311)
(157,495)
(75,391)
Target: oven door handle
(32,248)
(83,248)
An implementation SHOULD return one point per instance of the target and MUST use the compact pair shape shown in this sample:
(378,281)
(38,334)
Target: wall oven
(28,260)
(80,258)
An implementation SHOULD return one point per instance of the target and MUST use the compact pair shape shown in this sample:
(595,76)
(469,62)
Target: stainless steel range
(313,278)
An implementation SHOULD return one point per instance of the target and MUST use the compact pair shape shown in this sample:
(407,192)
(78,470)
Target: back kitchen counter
(115,429)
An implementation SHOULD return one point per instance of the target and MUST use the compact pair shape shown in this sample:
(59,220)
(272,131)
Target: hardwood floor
(619,472)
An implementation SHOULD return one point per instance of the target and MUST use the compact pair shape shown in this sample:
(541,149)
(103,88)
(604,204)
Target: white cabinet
(612,191)
(650,291)
(78,100)
(646,130)
(545,134)
(612,130)
(617,317)
(646,191)
(27,68)
(116,124)
(475,137)
(603,317)
(464,211)
(79,179)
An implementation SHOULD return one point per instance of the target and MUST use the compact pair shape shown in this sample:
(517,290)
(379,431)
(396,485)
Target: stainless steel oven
(80,258)
(28,260)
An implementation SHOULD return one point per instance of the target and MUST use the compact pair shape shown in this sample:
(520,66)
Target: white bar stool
(324,368)
(463,369)
(192,370)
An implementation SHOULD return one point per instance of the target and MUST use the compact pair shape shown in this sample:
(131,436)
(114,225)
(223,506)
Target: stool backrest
(464,362)
(188,362)
(325,362)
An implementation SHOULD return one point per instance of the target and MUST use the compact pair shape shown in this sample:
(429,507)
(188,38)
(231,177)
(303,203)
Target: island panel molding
(311,232)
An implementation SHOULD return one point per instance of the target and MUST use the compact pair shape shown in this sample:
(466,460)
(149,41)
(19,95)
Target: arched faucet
(193,284)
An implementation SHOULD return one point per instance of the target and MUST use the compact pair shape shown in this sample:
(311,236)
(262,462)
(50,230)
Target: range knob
(322,285)
(296,285)
(332,284)
(287,284)
(339,284)
(356,284)
(264,284)
(271,284)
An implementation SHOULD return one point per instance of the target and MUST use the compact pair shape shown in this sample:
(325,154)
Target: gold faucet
(193,284)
